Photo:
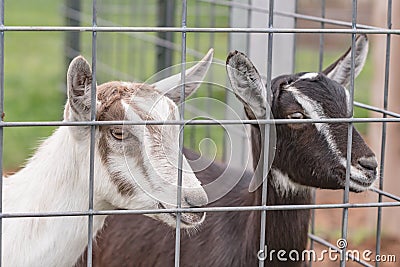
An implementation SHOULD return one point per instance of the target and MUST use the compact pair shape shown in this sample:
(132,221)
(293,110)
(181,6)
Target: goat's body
(224,239)
(54,180)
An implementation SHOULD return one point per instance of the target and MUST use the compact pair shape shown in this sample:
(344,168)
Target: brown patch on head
(111,109)
(124,187)
(110,96)
(171,114)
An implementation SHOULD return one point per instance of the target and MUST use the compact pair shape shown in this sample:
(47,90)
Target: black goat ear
(247,84)
(340,70)
(250,90)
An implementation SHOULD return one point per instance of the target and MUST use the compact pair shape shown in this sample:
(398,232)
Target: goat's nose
(369,163)
(195,197)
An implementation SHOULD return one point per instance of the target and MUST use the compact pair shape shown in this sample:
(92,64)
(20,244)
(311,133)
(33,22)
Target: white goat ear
(340,70)
(79,83)
(194,77)
(247,84)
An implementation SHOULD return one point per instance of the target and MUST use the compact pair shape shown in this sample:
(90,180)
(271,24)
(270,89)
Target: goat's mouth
(360,183)
(360,179)
(189,219)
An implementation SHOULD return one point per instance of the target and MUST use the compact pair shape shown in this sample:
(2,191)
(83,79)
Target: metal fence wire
(133,40)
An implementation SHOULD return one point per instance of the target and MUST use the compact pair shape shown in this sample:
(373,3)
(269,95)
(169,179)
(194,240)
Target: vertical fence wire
(320,67)
(92,135)
(181,135)
(294,48)
(322,36)
(266,137)
(198,13)
(209,85)
(2,119)
(249,18)
(383,133)
(350,106)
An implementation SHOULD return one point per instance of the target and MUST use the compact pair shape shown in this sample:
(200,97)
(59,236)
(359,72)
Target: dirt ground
(361,228)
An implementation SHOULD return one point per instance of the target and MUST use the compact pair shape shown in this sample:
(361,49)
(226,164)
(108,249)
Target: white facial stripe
(144,104)
(163,108)
(347,100)
(159,109)
(309,75)
(315,111)
(130,113)
(127,85)
(283,184)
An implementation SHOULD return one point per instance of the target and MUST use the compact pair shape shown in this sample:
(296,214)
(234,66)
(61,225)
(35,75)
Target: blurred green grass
(35,74)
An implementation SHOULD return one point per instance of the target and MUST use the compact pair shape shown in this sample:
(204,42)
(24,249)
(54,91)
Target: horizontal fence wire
(192,29)
(200,122)
(206,209)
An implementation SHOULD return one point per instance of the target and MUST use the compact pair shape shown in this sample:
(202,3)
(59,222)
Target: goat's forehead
(116,100)
(314,92)
(316,86)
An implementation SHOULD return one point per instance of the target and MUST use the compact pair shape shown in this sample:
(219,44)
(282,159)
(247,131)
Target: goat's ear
(247,84)
(340,70)
(194,77)
(79,83)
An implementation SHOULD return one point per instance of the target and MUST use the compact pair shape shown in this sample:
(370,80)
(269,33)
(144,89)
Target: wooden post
(166,18)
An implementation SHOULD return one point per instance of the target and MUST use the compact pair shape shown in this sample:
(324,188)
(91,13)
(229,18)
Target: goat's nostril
(196,200)
(369,163)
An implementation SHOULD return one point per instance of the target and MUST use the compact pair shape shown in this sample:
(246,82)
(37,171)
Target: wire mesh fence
(133,41)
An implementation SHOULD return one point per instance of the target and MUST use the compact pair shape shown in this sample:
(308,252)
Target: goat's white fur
(284,185)
(56,179)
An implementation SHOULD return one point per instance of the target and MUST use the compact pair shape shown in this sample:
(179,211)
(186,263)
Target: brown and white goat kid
(130,170)
(307,156)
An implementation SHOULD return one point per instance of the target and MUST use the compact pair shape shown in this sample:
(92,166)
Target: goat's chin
(358,188)
(360,180)
(188,220)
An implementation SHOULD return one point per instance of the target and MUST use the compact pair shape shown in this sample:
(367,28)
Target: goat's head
(137,164)
(309,154)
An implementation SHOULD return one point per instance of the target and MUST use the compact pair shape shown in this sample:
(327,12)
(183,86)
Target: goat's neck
(282,226)
(54,179)
(286,191)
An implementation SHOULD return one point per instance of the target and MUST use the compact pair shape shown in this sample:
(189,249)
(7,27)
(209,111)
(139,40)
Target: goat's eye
(119,134)
(296,115)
